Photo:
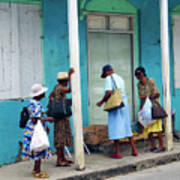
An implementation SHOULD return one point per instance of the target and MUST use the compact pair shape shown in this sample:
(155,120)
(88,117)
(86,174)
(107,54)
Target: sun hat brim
(43,90)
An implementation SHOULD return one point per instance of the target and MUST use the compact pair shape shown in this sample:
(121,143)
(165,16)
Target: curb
(131,167)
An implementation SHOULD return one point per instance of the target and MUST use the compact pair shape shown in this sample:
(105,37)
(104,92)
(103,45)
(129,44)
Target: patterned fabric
(148,89)
(62,130)
(36,110)
(119,120)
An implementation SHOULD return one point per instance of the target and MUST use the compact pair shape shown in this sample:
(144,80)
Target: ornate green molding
(110,6)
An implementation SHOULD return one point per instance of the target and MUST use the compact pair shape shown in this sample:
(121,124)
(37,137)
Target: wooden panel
(30,46)
(96,22)
(176,45)
(114,49)
(8,52)
(20,49)
(119,23)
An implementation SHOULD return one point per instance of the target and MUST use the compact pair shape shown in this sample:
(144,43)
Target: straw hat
(62,76)
(37,89)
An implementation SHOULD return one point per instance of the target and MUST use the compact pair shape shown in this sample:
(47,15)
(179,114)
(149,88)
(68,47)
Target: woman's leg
(61,161)
(37,166)
(151,138)
(161,142)
(117,147)
(59,155)
(134,151)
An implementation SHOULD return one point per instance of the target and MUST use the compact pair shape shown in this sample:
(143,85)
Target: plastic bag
(145,114)
(39,141)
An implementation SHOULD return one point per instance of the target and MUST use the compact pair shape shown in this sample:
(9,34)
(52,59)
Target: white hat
(62,76)
(37,89)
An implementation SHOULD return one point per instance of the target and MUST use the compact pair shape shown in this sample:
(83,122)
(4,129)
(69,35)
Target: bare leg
(161,142)
(37,166)
(117,146)
(151,138)
(134,150)
(61,157)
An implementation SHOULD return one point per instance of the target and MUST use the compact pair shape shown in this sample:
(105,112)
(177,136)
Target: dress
(119,121)
(36,109)
(62,130)
(148,89)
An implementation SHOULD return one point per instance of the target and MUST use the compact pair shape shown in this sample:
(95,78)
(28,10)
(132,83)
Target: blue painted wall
(56,58)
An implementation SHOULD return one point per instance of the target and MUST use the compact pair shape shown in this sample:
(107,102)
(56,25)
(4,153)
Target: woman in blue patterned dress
(36,112)
(119,121)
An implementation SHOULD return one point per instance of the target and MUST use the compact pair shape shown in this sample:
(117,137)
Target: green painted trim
(110,6)
(22,1)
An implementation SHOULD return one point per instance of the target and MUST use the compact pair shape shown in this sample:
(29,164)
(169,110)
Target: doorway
(110,41)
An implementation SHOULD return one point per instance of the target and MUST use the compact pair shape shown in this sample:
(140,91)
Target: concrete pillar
(166,71)
(76,89)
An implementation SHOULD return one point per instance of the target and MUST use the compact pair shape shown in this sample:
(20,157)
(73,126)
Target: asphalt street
(166,172)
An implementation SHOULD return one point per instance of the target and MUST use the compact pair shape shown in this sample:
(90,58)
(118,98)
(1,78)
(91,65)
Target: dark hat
(107,67)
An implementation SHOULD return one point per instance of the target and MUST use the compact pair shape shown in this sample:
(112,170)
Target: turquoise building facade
(56,58)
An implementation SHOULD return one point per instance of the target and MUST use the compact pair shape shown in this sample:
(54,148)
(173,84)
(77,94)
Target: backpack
(24,117)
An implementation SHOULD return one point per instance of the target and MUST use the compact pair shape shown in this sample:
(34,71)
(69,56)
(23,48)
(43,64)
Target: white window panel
(119,23)
(96,22)
(20,49)
(176,45)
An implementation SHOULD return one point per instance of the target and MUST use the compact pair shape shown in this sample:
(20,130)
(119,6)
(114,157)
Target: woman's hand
(99,103)
(71,71)
(49,119)
(47,130)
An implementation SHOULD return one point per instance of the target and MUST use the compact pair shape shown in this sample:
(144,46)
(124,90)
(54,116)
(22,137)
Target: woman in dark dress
(62,130)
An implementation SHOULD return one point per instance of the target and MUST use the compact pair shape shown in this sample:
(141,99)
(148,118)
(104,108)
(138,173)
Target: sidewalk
(98,166)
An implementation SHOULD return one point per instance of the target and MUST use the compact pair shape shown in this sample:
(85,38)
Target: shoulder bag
(115,100)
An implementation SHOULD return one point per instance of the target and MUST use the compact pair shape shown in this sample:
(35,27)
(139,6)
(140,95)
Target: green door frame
(122,7)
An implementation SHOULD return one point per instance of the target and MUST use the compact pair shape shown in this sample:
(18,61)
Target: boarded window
(20,49)
(176,45)
(109,22)
(119,22)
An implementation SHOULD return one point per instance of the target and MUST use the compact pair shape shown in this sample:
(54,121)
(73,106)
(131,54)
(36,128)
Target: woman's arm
(68,90)
(105,98)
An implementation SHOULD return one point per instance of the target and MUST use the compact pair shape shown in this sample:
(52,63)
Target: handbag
(39,141)
(158,111)
(115,100)
(59,108)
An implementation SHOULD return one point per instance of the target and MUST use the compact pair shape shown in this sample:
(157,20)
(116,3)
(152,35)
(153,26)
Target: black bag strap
(114,82)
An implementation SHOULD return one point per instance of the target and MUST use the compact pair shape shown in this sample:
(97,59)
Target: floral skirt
(26,152)
(62,133)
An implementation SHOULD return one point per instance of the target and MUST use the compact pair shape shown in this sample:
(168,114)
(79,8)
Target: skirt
(119,122)
(153,128)
(62,133)
(26,152)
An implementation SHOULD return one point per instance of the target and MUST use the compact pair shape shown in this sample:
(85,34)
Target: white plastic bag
(39,141)
(145,114)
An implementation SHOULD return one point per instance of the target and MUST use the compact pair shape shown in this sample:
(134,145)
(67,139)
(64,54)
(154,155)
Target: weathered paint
(23,1)
(174,7)
(56,58)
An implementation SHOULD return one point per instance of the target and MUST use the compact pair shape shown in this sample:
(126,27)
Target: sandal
(62,164)
(116,156)
(42,175)
(34,172)
(69,161)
